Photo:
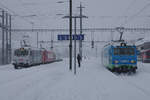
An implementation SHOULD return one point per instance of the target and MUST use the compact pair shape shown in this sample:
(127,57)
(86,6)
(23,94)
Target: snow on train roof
(32,48)
(117,43)
(35,48)
(145,40)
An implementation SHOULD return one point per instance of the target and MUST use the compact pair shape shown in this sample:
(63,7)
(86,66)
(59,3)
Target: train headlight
(132,61)
(116,61)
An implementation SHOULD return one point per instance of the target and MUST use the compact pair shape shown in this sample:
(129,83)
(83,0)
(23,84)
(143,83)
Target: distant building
(144,46)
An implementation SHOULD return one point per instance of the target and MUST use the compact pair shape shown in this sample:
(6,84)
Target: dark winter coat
(79,57)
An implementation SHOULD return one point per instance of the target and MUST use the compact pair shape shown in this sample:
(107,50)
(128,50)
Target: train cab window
(19,52)
(116,51)
(124,51)
(130,51)
(24,53)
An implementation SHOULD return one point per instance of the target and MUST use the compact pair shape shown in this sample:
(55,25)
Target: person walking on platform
(79,60)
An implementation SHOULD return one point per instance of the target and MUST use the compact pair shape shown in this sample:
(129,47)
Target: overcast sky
(101,13)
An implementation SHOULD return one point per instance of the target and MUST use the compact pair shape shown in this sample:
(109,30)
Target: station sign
(67,37)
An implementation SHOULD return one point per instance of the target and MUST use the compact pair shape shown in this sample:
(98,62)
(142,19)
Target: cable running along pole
(70,28)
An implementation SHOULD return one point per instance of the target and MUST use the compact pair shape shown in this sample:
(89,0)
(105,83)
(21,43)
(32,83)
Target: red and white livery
(27,56)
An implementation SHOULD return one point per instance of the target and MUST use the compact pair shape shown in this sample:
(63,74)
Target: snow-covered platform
(55,82)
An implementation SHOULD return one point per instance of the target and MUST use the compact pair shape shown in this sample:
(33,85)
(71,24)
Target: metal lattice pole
(81,30)
(6,28)
(10,50)
(3,31)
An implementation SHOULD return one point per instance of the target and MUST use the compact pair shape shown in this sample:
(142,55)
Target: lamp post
(70,31)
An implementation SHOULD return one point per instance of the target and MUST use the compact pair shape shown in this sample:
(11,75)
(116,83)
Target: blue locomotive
(120,58)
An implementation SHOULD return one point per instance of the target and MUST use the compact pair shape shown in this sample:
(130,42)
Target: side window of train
(142,48)
(35,52)
(30,53)
(50,55)
(138,52)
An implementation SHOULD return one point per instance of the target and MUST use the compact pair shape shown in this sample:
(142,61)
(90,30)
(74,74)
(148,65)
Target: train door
(110,55)
(32,57)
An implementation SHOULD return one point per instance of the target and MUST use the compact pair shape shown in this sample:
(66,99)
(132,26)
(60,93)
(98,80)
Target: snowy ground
(55,82)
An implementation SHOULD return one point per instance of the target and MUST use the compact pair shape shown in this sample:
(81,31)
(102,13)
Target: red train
(48,56)
(27,56)
(145,56)
(144,52)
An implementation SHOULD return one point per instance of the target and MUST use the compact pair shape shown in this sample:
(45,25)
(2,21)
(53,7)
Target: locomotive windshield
(124,51)
(21,52)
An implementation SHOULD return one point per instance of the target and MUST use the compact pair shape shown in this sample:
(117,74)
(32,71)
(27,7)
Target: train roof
(144,50)
(115,44)
(32,48)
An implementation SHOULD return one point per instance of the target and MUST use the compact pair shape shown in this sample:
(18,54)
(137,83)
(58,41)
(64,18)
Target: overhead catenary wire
(127,9)
(136,14)
(13,13)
